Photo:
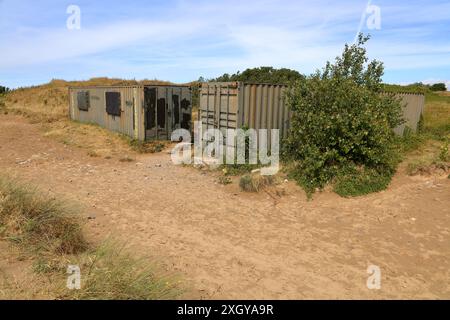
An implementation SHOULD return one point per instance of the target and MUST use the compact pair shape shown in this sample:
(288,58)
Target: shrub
(341,120)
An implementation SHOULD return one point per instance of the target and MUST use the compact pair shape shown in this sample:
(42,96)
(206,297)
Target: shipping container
(413,108)
(235,105)
(232,105)
(149,112)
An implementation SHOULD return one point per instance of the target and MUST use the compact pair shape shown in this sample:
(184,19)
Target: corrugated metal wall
(236,105)
(127,123)
(413,107)
(262,106)
(174,101)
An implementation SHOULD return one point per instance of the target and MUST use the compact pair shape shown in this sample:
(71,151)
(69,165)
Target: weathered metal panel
(413,107)
(132,119)
(185,109)
(96,113)
(251,105)
(237,105)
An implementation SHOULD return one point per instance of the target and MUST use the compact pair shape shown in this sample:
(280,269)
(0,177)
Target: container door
(219,106)
(185,109)
(150,113)
(157,117)
(162,116)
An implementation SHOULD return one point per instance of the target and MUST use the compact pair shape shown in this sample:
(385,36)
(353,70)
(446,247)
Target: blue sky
(181,40)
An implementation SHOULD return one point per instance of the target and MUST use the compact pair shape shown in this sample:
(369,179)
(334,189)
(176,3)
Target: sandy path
(228,244)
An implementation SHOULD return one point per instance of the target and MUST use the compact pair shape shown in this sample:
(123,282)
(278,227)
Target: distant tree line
(417,87)
(3,89)
(263,75)
(438,87)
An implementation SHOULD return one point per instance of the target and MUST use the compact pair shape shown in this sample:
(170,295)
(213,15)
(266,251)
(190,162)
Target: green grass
(427,151)
(437,116)
(358,182)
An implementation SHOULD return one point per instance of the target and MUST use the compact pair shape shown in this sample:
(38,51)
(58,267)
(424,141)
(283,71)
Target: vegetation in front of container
(437,117)
(354,181)
(225,180)
(238,169)
(255,182)
(147,146)
(342,126)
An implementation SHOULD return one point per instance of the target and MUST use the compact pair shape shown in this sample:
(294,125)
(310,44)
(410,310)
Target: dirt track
(229,244)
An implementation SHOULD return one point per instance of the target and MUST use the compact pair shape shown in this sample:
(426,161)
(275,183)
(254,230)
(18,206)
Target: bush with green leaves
(342,122)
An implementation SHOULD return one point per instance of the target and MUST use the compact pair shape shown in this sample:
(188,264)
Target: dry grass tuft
(36,221)
(256,182)
(111,274)
(148,146)
(126,158)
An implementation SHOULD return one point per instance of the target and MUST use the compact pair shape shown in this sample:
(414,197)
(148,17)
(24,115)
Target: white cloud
(36,46)
(213,36)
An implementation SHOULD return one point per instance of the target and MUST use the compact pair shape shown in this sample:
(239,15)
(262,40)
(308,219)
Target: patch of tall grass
(35,220)
(50,232)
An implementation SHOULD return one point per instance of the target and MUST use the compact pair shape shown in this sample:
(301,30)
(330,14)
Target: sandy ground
(234,245)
